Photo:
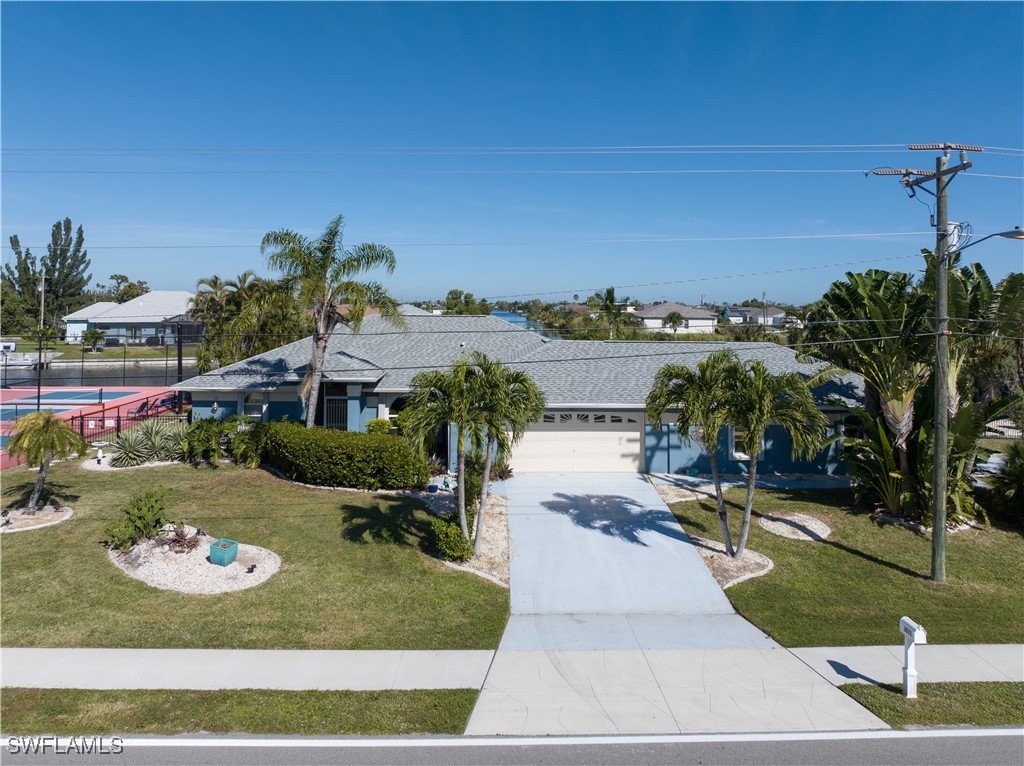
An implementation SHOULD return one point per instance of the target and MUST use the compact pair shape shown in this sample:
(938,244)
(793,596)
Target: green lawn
(354,575)
(258,711)
(853,588)
(996,444)
(73,351)
(945,704)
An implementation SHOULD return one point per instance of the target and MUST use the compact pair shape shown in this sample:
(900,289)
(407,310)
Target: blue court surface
(90,396)
(10,413)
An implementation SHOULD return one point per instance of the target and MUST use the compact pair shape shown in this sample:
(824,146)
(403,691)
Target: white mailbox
(913,634)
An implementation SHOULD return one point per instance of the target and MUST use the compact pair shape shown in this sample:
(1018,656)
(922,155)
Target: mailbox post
(913,634)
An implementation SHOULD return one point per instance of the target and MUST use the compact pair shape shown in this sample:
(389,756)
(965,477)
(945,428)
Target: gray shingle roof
(662,310)
(91,312)
(615,373)
(152,307)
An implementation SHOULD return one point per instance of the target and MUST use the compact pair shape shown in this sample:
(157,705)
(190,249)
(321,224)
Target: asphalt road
(932,748)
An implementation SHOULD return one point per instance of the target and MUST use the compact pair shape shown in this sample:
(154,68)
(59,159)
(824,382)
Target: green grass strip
(75,712)
(944,704)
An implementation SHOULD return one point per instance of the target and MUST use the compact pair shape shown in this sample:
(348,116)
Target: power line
(476,171)
(536,243)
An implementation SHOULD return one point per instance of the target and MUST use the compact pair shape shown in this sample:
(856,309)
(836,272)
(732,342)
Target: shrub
(249,444)
(474,483)
(130,448)
(449,541)
(501,471)
(1008,485)
(141,519)
(331,458)
(207,439)
(379,426)
(154,435)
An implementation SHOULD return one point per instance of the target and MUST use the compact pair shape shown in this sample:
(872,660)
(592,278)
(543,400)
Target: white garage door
(580,442)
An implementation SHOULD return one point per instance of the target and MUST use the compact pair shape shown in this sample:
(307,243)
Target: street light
(1015,233)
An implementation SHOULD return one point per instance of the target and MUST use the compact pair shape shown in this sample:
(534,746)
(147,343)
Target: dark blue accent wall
(225,409)
(278,410)
(664,453)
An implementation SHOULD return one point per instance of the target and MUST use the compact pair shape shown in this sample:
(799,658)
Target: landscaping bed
(357,571)
(852,588)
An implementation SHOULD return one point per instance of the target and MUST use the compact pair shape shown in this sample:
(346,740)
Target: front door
(336,412)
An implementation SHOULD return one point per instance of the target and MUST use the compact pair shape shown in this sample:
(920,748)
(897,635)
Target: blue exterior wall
(664,453)
(226,407)
(278,410)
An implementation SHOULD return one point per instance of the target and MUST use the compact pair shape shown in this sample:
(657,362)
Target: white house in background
(79,321)
(694,320)
(771,316)
(151,319)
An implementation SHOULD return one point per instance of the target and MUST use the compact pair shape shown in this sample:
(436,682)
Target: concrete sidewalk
(935,662)
(208,669)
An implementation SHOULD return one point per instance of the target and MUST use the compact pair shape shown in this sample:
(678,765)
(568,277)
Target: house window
(549,418)
(599,418)
(738,444)
(252,408)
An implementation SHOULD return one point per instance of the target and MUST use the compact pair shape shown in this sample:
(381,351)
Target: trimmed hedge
(331,458)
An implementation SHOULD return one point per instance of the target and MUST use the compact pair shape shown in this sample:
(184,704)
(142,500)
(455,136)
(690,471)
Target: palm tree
(40,438)
(757,399)
(674,320)
(511,401)
(701,397)
(323,271)
(441,398)
(604,302)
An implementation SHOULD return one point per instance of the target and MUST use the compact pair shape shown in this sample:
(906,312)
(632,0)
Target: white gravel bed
(493,561)
(20,520)
(726,570)
(193,572)
(104,464)
(796,526)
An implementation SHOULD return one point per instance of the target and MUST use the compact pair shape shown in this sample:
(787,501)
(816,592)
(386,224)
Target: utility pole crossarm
(940,174)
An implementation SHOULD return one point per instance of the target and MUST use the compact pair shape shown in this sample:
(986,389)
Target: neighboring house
(695,320)
(596,391)
(767,315)
(151,319)
(79,321)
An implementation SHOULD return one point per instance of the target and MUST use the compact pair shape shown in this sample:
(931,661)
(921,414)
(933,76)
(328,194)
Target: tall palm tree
(757,399)
(40,438)
(324,273)
(441,398)
(511,401)
(604,302)
(701,398)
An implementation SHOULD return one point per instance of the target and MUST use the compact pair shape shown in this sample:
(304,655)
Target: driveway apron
(617,626)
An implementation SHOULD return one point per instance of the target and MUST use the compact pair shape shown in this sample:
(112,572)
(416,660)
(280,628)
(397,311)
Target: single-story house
(150,319)
(595,418)
(694,320)
(767,315)
(77,322)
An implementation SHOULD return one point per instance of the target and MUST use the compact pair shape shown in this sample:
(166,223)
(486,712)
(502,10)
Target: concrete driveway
(618,627)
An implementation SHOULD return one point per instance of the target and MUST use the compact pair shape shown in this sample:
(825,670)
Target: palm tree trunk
(33,501)
(481,513)
(461,491)
(316,373)
(745,526)
(723,515)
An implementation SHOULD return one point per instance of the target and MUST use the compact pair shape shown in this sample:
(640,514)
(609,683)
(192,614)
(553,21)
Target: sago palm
(40,438)
(325,272)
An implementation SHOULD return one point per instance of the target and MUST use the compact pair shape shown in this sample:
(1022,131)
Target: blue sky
(212,124)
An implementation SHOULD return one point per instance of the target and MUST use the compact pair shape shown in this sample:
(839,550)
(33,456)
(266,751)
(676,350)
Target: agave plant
(174,442)
(131,448)
(154,433)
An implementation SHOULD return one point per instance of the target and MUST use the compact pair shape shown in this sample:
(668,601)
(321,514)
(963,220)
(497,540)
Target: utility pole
(912,180)
(39,350)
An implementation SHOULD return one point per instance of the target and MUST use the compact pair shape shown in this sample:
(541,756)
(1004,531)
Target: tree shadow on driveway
(616,516)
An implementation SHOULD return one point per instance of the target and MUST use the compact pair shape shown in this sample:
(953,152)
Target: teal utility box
(223,552)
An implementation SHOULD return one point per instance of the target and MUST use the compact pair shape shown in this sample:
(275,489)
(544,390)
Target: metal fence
(106,427)
(1004,429)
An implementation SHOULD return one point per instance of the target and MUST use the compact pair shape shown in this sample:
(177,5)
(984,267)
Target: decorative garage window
(575,420)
